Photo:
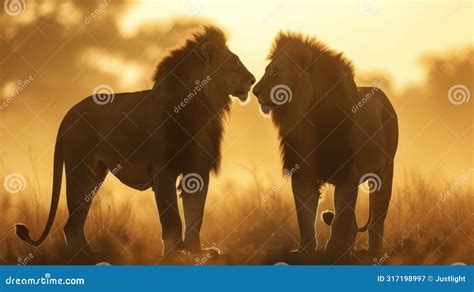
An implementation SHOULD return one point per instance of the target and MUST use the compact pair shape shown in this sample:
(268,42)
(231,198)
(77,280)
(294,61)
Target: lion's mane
(199,124)
(318,136)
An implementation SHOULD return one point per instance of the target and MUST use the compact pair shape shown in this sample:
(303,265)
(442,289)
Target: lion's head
(293,79)
(286,83)
(233,77)
(207,68)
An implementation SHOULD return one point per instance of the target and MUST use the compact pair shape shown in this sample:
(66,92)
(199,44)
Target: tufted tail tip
(327,217)
(23,233)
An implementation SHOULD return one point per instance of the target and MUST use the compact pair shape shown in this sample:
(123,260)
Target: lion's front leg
(194,186)
(344,226)
(164,186)
(306,192)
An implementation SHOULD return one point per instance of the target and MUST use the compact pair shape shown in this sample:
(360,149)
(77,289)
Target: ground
(424,226)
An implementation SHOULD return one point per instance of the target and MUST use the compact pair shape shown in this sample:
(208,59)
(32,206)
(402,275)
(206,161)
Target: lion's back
(89,126)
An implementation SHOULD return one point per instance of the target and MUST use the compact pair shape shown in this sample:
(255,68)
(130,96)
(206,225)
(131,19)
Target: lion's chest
(196,147)
(324,152)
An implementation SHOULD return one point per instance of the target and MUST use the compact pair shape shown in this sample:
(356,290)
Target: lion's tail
(21,229)
(328,216)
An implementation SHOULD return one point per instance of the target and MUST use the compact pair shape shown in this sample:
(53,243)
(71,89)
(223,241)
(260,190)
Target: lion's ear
(306,58)
(209,50)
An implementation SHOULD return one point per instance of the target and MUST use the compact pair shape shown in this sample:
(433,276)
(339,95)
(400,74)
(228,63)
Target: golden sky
(385,35)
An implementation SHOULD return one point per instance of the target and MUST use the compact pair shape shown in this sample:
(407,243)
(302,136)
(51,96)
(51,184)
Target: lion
(310,92)
(149,139)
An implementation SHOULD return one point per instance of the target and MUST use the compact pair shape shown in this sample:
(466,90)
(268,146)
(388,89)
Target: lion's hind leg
(379,203)
(83,183)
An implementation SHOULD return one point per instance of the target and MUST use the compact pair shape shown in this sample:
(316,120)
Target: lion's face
(285,84)
(233,78)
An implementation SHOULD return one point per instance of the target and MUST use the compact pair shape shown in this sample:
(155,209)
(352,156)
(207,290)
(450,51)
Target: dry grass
(249,225)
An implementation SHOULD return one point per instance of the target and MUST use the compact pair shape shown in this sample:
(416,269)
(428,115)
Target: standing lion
(149,138)
(310,91)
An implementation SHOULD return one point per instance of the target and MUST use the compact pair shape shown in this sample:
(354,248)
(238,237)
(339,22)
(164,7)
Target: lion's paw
(206,255)
(213,251)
